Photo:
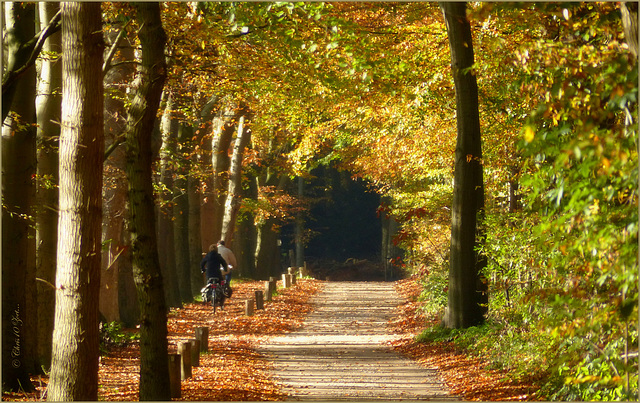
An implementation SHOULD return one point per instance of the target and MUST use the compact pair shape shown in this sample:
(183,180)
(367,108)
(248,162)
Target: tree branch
(112,51)
(35,44)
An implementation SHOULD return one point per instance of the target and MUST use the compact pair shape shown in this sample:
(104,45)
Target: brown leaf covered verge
(467,377)
(231,370)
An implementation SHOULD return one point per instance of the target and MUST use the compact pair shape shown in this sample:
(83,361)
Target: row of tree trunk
(123,253)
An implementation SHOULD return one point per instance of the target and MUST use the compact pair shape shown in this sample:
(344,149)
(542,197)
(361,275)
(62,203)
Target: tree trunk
(224,126)
(114,257)
(166,251)
(74,372)
(234,195)
(154,366)
(299,229)
(195,247)
(267,253)
(48,109)
(465,286)
(22,49)
(19,314)
(181,214)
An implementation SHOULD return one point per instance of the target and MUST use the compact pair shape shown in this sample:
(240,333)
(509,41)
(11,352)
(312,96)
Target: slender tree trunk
(465,286)
(166,250)
(195,247)
(114,257)
(234,195)
(74,372)
(154,367)
(181,214)
(22,49)
(267,253)
(224,126)
(48,109)
(299,230)
(19,314)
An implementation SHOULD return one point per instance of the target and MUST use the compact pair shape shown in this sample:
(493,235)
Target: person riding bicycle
(211,264)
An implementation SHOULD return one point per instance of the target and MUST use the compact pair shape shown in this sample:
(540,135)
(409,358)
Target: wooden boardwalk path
(343,351)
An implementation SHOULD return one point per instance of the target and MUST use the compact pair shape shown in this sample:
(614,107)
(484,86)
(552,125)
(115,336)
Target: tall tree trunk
(22,50)
(48,110)
(181,213)
(267,252)
(465,286)
(166,251)
(299,229)
(195,242)
(224,126)
(19,351)
(74,372)
(154,367)
(114,257)
(234,195)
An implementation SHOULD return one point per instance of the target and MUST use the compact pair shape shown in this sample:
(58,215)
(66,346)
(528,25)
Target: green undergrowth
(561,368)
(112,334)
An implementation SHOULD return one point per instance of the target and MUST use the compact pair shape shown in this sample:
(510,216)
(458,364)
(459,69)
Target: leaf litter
(233,371)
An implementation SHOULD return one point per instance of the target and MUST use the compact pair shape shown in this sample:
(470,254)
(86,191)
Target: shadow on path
(343,350)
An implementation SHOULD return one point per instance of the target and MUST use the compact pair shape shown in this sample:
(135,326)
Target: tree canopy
(369,89)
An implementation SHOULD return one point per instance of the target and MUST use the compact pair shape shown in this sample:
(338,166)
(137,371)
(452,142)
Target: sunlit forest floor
(233,371)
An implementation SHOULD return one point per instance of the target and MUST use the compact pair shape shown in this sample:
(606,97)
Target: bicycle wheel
(214,298)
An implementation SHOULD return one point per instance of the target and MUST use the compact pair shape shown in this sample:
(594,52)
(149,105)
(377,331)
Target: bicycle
(213,292)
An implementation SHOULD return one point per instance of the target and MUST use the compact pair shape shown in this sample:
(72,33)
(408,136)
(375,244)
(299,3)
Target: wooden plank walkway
(343,351)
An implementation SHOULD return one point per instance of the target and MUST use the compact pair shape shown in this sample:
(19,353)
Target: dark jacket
(211,263)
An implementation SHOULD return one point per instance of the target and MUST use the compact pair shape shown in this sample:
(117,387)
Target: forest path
(343,350)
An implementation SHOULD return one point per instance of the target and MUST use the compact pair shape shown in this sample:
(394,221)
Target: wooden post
(293,279)
(174,375)
(259,300)
(184,349)
(202,334)
(272,286)
(195,352)
(248,307)
(286,280)
(267,291)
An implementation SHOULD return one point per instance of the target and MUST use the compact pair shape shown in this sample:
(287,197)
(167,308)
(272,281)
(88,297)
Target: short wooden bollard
(174,376)
(202,334)
(293,279)
(267,290)
(184,349)
(248,307)
(272,286)
(195,352)
(286,280)
(259,300)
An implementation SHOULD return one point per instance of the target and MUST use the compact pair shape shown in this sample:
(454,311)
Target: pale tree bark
(166,250)
(48,110)
(22,53)
(224,126)
(19,314)
(234,194)
(466,290)
(629,12)
(74,372)
(154,368)
(181,213)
